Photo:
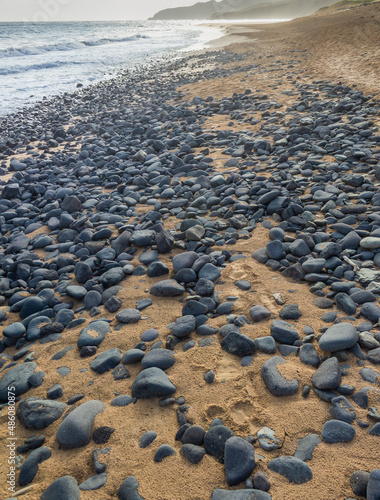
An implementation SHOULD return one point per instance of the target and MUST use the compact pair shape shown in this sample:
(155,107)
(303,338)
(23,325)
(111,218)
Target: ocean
(40,60)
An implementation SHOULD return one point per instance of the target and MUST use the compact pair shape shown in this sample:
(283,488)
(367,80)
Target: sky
(83,10)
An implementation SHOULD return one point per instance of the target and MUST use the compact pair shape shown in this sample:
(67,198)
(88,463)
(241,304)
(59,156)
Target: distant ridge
(206,10)
(245,9)
(285,9)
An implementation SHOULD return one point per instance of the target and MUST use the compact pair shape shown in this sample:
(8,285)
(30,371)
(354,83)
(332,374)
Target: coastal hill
(245,9)
(206,10)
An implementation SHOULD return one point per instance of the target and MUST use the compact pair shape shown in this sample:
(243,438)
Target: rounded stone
(76,428)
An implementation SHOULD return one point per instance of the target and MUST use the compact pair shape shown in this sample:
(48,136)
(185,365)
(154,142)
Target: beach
(213,223)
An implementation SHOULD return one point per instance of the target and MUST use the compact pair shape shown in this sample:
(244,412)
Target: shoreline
(189,209)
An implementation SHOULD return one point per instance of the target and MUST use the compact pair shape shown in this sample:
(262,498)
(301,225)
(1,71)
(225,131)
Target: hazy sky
(72,10)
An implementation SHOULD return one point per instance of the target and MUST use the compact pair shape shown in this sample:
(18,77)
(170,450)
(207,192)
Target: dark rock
(17,377)
(30,466)
(167,288)
(306,447)
(290,311)
(215,440)
(239,460)
(328,376)
(339,337)
(283,332)
(240,495)
(147,439)
(337,431)
(259,313)
(64,488)
(164,451)
(106,361)
(94,482)
(102,435)
(238,344)
(36,413)
(152,383)
(275,382)
(193,453)
(75,430)
(129,489)
(160,358)
(295,470)
(359,481)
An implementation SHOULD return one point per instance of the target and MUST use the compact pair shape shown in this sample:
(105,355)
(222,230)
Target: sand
(335,42)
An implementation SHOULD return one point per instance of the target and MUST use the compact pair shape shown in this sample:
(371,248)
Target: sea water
(43,59)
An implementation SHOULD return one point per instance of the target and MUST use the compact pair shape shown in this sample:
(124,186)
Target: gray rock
(183,326)
(147,439)
(267,439)
(106,361)
(163,452)
(160,358)
(342,409)
(306,447)
(275,382)
(370,243)
(93,334)
(370,311)
(328,376)
(129,489)
(193,453)
(128,316)
(152,383)
(309,355)
(64,488)
(37,413)
(283,332)
(259,313)
(30,466)
(337,431)
(296,471)
(17,377)
(359,481)
(239,460)
(339,337)
(219,494)
(94,482)
(290,311)
(167,288)
(75,430)
(373,487)
(374,356)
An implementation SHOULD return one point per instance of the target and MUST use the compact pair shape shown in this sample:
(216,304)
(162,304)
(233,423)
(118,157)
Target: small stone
(129,490)
(239,460)
(339,337)
(306,447)
(295,470)
(147,439)
(164,451)
(151,383)
(267,439)
(359,481)
(64,488)
(193,453)
(328,376)
(275,382)
(336,431)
